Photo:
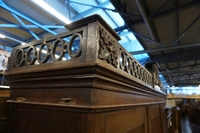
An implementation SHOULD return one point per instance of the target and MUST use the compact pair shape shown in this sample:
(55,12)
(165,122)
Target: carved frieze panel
(113,53)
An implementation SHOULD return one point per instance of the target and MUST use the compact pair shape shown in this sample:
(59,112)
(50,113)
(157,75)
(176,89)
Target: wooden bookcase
(101,88)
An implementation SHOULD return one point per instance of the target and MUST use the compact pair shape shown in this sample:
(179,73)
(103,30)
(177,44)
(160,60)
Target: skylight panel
(133,38)
(51,10)
(83,4)
(132,45)
(118,19)
(104,16)
(124,41)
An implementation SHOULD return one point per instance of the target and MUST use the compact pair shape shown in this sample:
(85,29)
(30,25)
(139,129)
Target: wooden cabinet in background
(173,120)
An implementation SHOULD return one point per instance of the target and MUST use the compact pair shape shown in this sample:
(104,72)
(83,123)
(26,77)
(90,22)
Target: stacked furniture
(83,81)
(4,91)
(193,112)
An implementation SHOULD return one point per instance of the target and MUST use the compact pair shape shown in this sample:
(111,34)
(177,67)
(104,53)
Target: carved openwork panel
(64,46)
(113,53)
(108,48)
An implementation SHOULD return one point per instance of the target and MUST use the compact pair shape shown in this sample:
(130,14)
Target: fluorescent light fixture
(2,36)
(13,39)
(23,43)
(51,10)
(3,86)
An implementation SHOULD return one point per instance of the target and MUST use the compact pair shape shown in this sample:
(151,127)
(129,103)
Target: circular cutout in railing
(31,55)
(19,58)
(74,48)
(121,61)
(43,53)
(58,50)
(129,66)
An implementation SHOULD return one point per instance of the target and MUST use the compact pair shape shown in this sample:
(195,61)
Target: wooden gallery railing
(82,81)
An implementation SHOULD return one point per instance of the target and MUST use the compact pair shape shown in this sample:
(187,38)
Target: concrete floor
(188,127)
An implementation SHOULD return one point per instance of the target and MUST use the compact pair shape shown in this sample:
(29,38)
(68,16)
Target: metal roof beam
(182,55)
(118,29)
(91,10)
(10,35)
(13,25)
(99,6)
(159,9)
(174,68)
(6,43)
(30,26)
(176,9)
(7,21)
(167,48)
(186,82)
(179,71)
(189,26)
(170,11)
(24,26)
(11,10)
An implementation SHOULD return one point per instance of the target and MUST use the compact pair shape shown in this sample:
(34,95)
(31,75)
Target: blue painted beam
(6,7)
(6,48)
(124,33)
(13,25)
(11,35)
(7,43)
(19,26)
(99,2)
(13,39)
(7,21)
(40,35)
(24,26)
(90,11)
(30,26)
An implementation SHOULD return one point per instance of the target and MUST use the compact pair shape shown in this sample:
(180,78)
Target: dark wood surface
(4,96)
(92,92)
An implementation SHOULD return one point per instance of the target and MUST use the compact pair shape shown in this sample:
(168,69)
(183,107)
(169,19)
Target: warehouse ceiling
(168,30)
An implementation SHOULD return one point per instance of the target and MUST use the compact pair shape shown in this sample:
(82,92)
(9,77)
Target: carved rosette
(108,48)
